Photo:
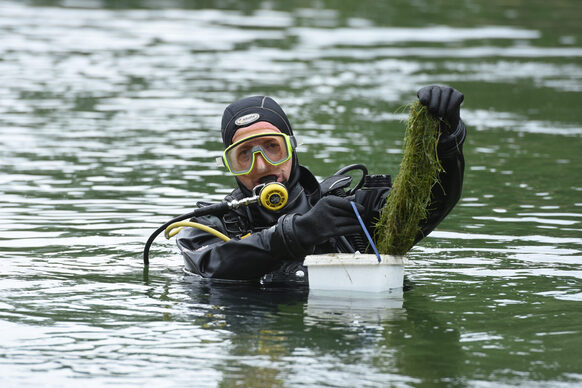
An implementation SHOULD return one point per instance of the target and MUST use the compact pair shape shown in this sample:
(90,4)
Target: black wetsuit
(263,244)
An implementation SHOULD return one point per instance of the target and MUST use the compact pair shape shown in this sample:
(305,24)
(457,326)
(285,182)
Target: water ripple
(109,126)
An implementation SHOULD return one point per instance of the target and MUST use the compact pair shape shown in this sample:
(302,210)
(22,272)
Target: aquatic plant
(406,205)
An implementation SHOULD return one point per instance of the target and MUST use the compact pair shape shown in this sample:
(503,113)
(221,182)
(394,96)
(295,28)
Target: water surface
(109,117)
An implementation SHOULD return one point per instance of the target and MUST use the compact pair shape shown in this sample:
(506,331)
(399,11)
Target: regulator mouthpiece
(272,196)
(268,179)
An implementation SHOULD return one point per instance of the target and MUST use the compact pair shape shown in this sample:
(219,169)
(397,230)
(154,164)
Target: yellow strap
(169,232)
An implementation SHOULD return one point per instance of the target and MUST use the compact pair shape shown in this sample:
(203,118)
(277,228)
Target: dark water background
(109,117)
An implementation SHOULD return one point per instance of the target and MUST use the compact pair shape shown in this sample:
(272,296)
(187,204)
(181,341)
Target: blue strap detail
(366,231)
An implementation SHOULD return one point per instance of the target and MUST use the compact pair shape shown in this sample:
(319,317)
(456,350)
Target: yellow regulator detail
(273,196)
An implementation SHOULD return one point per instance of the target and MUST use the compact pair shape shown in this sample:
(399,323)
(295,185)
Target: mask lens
(240,156)
(274,148)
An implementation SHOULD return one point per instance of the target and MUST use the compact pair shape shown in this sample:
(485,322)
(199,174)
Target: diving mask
(276,149)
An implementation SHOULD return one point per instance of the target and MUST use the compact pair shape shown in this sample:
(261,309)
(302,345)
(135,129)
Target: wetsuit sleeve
(447,192)
(242,259)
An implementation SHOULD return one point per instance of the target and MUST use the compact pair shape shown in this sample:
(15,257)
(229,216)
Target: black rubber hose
(351,167)
(203,211)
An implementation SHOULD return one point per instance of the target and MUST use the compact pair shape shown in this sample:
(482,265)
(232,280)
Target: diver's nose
(260,163)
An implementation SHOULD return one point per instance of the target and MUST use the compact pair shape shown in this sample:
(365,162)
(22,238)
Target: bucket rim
(340,259)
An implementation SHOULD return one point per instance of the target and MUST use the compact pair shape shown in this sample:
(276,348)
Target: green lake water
(109,126)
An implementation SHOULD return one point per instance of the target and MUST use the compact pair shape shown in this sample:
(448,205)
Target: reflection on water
(109,116)
(353,307)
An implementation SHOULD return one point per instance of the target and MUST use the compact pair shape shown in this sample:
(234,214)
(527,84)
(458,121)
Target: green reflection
(107,130)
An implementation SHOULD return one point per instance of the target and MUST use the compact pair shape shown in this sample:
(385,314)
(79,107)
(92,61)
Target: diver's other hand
(444,102)
(331,216)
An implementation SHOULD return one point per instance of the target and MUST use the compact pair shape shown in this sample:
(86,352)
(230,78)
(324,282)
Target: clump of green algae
(409,197)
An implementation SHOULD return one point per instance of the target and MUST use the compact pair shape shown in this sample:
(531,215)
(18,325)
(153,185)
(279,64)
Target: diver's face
(262,168)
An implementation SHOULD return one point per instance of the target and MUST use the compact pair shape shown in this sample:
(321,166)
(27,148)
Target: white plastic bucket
(355,272)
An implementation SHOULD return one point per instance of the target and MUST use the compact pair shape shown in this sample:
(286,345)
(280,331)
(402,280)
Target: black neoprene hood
(249,110)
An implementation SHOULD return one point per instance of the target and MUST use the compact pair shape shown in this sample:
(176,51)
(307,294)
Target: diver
(270,246)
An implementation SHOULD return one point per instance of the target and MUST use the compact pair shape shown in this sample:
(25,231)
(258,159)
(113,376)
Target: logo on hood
(247,119)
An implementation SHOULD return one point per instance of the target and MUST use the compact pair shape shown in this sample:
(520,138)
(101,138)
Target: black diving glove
(443,102)
(330,217)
